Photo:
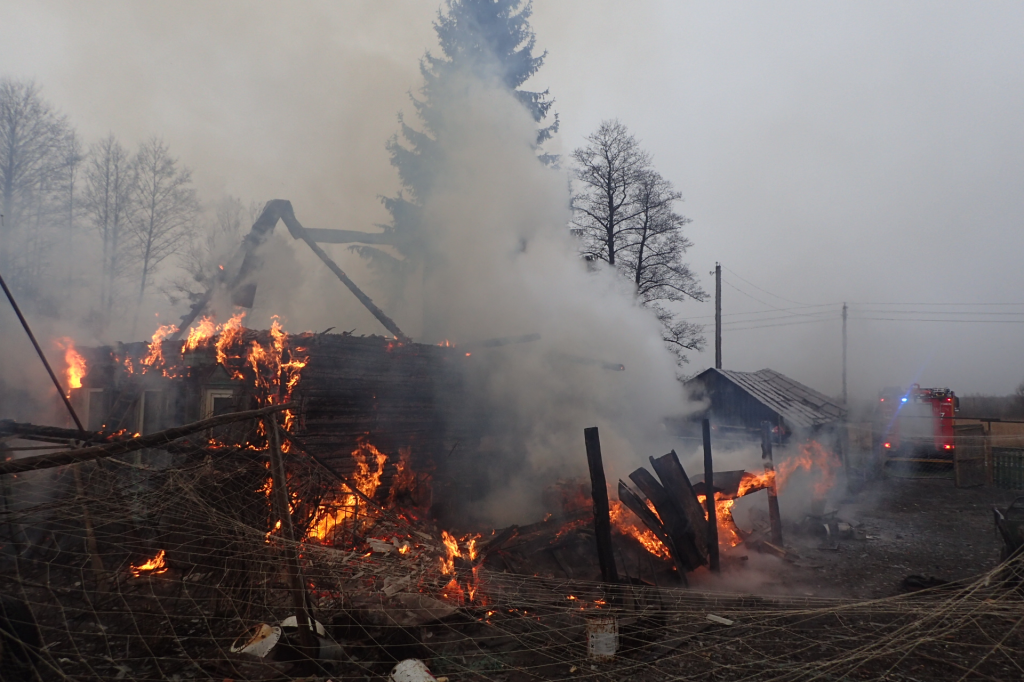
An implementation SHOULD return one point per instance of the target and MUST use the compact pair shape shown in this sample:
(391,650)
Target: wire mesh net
(171,564)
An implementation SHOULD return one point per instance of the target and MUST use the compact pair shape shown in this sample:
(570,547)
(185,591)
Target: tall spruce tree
(490,40)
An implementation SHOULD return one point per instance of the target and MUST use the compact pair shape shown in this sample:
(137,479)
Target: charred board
(635,504)
(677,526)
(677,485)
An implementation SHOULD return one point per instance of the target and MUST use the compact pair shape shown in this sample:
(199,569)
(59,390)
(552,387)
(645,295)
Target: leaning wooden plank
(628,497)
(677,485)
(676,524)
(154,440)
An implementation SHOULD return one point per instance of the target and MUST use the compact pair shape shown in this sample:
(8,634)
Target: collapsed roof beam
(240,284)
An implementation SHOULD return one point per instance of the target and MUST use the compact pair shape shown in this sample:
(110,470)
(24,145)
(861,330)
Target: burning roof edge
(798,404)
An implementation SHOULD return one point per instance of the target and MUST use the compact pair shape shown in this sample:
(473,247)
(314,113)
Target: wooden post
(709,499)
(599,493)
(307,639)
(773,491)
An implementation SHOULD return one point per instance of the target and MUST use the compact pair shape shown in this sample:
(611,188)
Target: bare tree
(653,258)
(31,138)
(624,215)
(107,202)
(215,240)
(166,208)
(71,158)
(607,169)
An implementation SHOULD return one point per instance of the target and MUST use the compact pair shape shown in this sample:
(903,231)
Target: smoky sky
(865,152)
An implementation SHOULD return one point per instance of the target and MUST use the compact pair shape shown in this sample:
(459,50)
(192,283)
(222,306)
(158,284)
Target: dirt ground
(901,527)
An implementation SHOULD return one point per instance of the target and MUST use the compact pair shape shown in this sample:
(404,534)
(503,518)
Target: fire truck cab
(917,423)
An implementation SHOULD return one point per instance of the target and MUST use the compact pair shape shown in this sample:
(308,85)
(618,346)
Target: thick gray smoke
(506,265)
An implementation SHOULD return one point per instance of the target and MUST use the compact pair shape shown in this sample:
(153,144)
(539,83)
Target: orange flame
(341,506)
(451,545)
(230,335)
(76,363)
(626,522)
(727,529)
(155,357)
(154,566)
(200,334)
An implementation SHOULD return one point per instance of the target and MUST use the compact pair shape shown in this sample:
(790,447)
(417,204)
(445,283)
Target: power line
(759,300)
(912,319)
(763,290)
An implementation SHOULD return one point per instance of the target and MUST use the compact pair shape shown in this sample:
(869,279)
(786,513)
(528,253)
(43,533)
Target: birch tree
(164,212)
(107,204)
(31,137)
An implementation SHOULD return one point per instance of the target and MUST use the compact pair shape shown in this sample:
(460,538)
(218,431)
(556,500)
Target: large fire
(340,507)
(76,367)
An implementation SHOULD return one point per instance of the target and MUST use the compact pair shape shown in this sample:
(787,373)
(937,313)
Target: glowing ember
(154,566)
(76,363)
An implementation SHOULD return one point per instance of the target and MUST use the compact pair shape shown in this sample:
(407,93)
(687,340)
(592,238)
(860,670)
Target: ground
(926,527)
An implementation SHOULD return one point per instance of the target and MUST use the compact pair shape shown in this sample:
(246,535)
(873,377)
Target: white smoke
(504,264)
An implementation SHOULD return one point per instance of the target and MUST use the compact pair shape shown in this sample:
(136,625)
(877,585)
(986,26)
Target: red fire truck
(918,423)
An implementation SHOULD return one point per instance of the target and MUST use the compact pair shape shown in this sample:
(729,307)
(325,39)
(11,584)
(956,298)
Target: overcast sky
(828,152)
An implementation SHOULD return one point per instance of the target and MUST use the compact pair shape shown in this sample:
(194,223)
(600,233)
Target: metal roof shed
(748,398)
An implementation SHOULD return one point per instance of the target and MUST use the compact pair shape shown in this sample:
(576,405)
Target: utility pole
(718,318)
(844,353)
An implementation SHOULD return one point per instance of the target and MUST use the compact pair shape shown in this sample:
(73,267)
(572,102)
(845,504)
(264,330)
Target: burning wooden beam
(635,504)
(153,440)
(676,524)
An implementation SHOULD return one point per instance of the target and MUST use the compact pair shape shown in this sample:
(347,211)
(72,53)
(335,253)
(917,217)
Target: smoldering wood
(154,440)
(599,493)
(727,483)
(676,525)
(677,485)
(635,504)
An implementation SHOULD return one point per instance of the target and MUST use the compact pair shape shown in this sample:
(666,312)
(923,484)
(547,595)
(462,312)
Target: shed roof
(799,405)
